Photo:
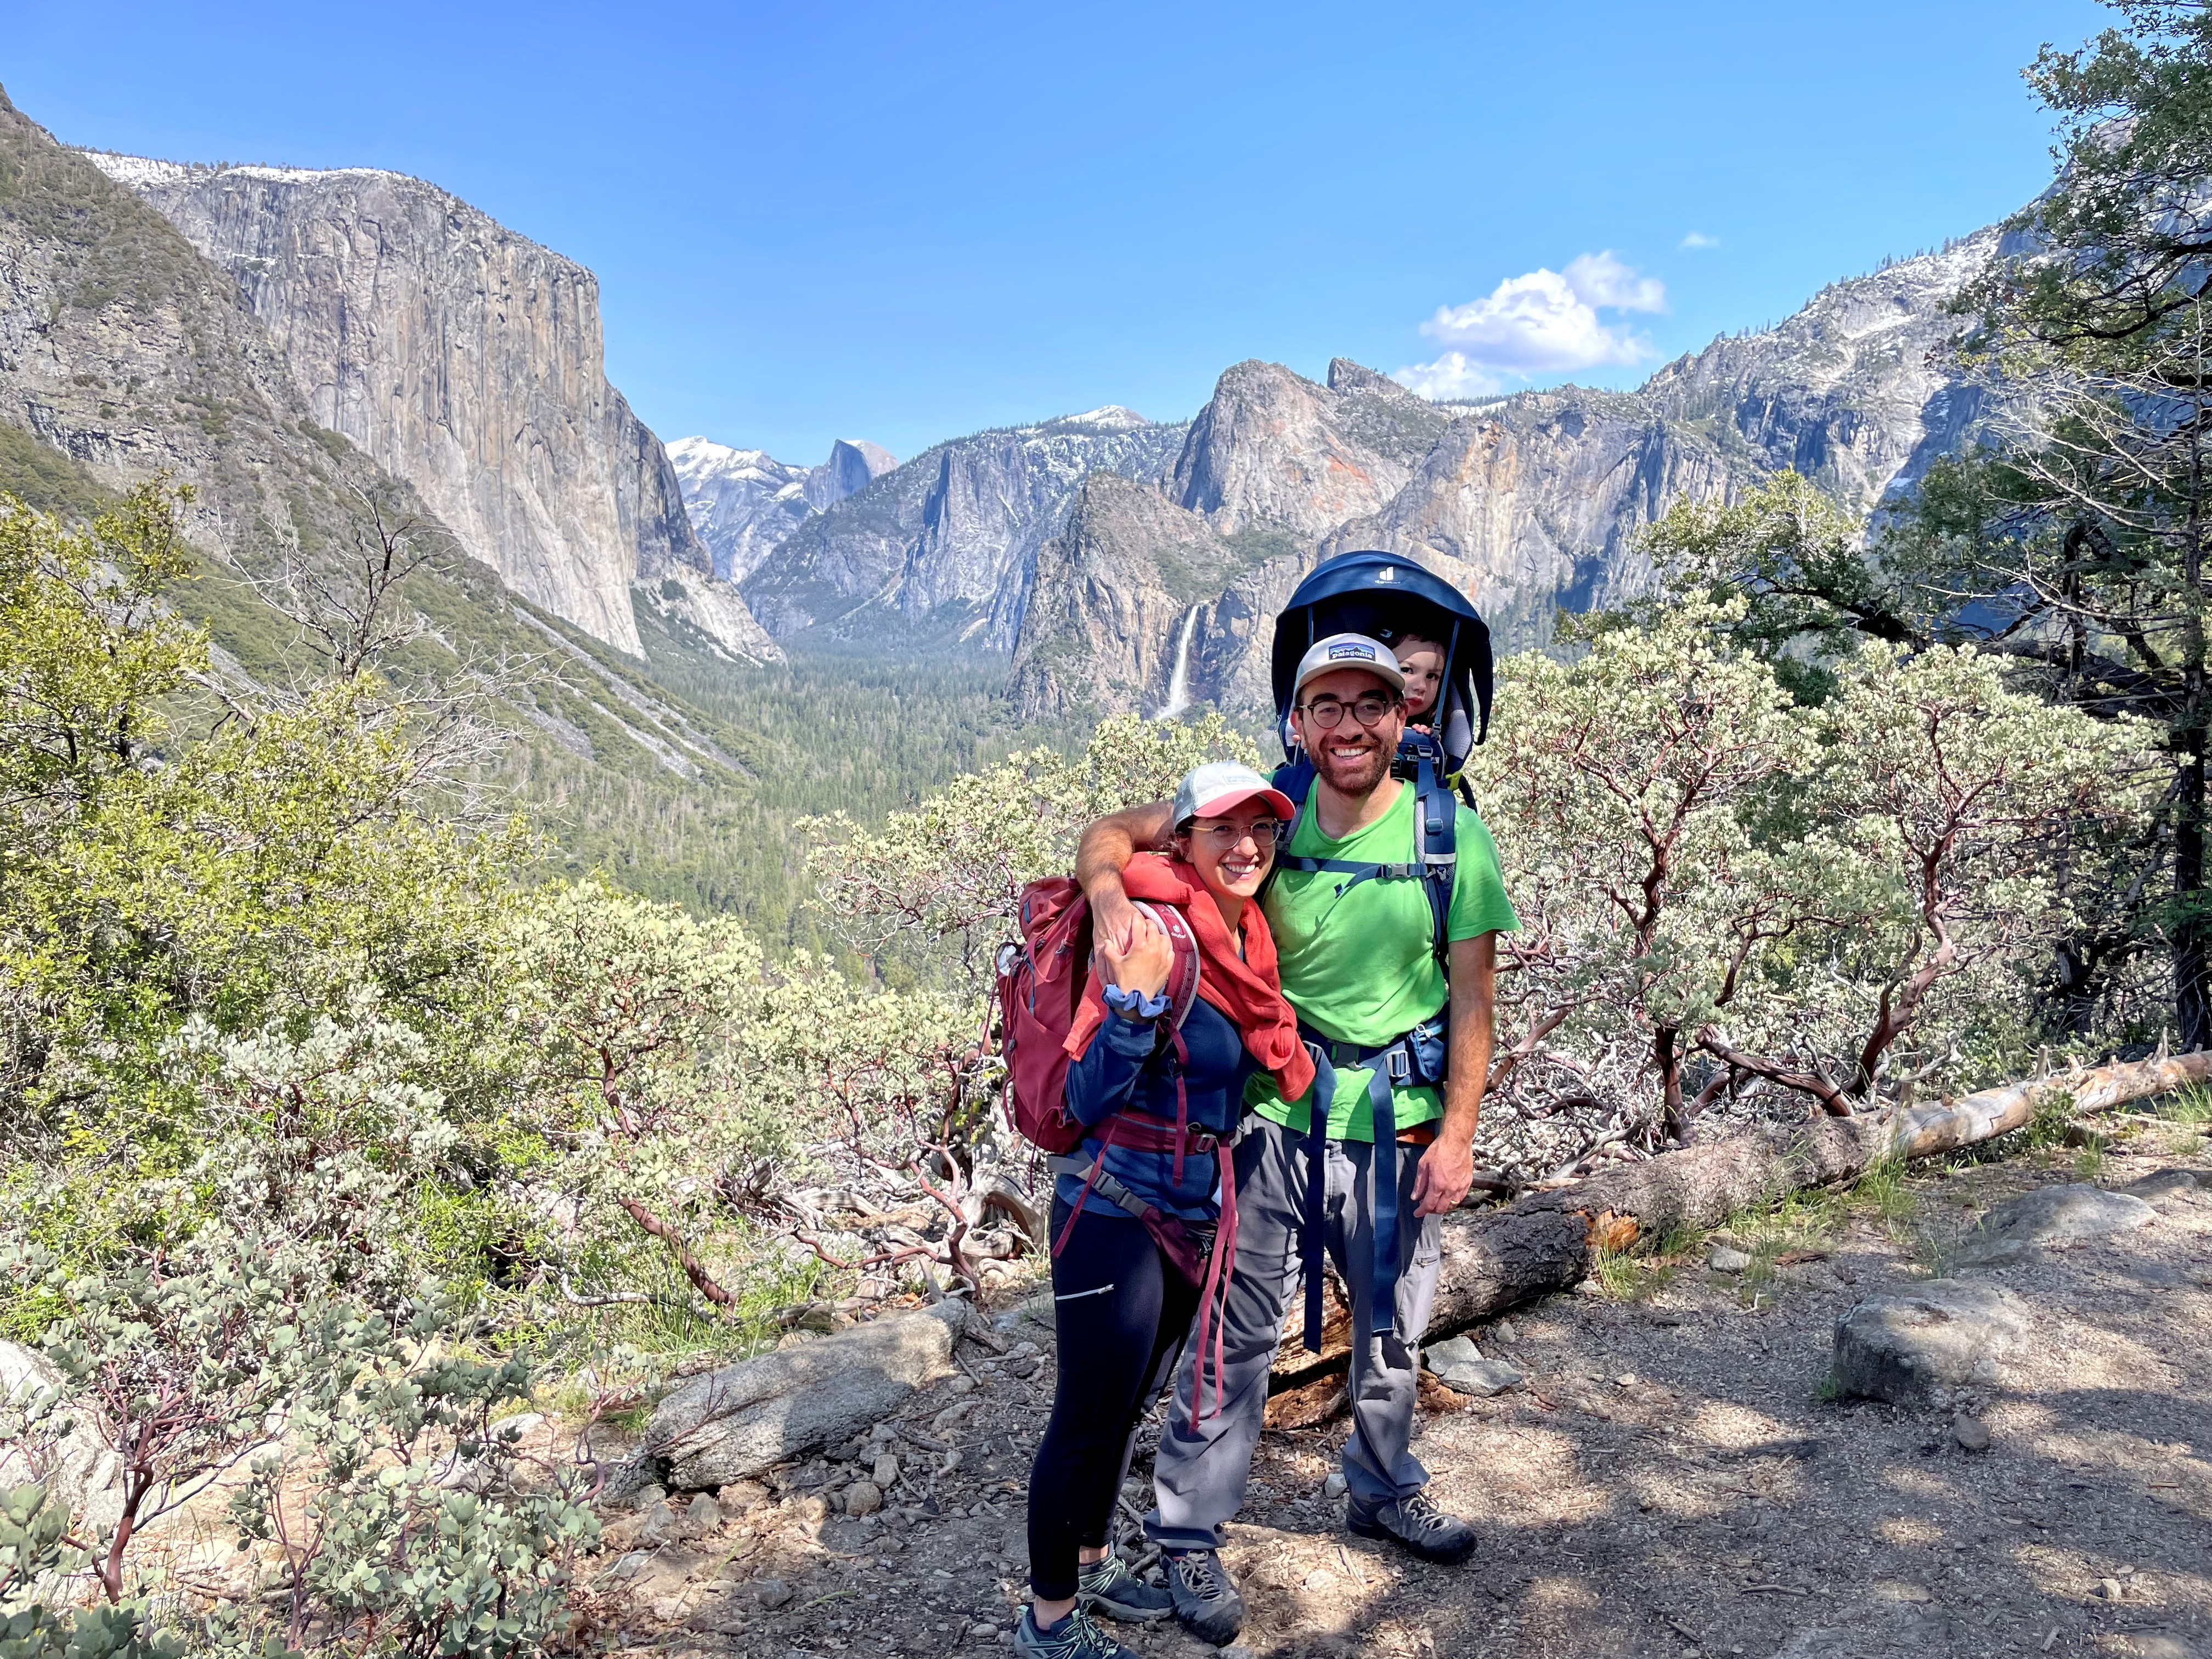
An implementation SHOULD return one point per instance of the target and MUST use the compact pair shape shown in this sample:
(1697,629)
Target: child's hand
(1144,966)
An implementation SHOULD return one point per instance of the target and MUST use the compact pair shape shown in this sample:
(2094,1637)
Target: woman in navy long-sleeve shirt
(1125,1289)
(1130,1066)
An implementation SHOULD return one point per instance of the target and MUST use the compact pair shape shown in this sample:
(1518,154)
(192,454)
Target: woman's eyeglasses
(1327,713)
(1229,836)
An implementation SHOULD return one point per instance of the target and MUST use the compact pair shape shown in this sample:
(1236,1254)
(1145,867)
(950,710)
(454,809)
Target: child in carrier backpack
(1422,662)
(1144,1214)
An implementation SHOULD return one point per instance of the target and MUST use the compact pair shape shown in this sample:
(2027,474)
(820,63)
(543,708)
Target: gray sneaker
(1109,1587)
(1073,1637)
(1418,1525)
(1206,1599)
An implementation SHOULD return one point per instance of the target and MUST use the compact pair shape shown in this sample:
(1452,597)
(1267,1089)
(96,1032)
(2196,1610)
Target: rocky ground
(1673,1477)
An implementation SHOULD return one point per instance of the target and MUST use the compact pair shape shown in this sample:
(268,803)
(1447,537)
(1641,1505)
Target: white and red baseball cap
(1208,791)
(1369,655)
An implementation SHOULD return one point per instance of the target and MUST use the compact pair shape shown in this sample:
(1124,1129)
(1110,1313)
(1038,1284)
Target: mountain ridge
(744,502)
(943,545)
(468,360)
(1529,503)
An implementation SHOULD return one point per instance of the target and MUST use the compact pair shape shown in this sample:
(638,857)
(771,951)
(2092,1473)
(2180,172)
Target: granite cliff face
(744,502)
(1529,503)
(122,348)
(944,546)
(854,464)
(467,361)
(1271,448)
(127,352)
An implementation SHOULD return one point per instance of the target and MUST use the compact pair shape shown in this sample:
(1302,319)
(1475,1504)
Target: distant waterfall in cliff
(1178,702)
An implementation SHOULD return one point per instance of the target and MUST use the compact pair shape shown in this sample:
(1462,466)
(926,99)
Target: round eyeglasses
(1327,713)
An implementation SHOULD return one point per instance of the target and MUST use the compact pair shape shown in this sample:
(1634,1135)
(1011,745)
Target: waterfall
(1179,677)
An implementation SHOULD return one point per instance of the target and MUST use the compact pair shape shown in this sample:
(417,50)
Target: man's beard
(1353,777)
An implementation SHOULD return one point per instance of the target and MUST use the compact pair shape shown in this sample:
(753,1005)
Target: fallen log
(1545,1242)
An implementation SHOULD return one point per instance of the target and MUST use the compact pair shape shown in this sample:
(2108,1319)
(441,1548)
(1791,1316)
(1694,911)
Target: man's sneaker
(1205,1601)
(1073,1637)
(1419,1526)
(1111,1588)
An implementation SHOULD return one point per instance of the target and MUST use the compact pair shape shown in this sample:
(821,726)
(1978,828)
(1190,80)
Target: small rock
(810,1511)
(660,1523)
(1483,1378)
(862,1497)
(1817,1642)
(2164,1183)
(1440,1356)
(1335,1485)
(1726,1259)
(980,1632)
(521,1424)
(886,1471)
(2158,1275)
(2109,1589)
(742,1497)
(646,1497)
(2053,1215)
(1971,1433)
(960,1385)
(704,1515)
(1238,1650)
(1504,1331)
(1903,1345)
(1590,1287)
(1626,1380)
(771,1593)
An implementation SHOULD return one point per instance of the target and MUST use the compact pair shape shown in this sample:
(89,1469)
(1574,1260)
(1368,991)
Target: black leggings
(1121,1313)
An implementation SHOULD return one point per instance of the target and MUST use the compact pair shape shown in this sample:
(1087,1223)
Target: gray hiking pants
(1200,1476)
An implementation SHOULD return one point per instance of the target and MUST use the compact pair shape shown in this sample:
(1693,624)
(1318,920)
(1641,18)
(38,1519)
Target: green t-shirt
(1359,965)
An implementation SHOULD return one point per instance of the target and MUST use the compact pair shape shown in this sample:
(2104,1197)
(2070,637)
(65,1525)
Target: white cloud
(1450,376)
(1545,322)
(1601,280)
(1698,239)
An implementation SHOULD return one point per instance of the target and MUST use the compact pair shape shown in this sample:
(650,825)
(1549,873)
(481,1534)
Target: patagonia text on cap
(1349,651)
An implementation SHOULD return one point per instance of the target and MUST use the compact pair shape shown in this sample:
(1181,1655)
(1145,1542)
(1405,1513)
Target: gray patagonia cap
(1208,791)
(1349,651)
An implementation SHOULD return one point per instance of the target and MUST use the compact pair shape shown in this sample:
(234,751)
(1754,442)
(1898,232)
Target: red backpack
(1040,981)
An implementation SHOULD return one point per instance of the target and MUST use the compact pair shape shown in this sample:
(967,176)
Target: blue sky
(904,222)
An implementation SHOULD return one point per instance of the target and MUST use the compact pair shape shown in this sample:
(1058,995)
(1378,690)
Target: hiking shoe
(1205,1601)
(1109,1587)
(1073,1637)
(1419,1526)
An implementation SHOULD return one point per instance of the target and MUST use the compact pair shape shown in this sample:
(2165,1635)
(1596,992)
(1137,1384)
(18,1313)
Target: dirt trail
(1671,1480)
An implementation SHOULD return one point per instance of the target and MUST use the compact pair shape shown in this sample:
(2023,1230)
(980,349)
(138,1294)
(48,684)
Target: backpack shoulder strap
(1181,989)
(1435,845)
(1295,779)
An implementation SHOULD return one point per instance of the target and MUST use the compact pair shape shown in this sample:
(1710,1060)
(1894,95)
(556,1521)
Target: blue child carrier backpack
(1387,593)
(1384,594)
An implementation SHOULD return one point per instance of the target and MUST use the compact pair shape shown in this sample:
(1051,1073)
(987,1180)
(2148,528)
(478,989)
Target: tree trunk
(2192,1009)
(1544,1243)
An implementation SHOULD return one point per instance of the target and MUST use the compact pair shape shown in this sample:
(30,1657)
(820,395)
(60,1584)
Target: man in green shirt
(1359,963)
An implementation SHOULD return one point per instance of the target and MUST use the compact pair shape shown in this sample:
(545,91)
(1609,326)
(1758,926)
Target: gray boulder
(1903,1345)
(2165,1184)
(735,1422)
(78,1470)
(2051,1215)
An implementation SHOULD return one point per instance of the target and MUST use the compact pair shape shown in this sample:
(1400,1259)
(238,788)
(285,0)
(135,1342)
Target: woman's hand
(1144,966)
